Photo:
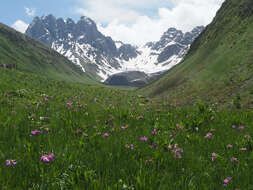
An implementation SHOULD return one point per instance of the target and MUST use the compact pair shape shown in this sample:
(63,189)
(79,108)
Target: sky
(130,21)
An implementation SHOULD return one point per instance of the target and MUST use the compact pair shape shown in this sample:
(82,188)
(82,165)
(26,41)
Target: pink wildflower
(106,135)
(243,149)
(154,132)
(230,146)
(214,155)
(35,132)
(233,159)
(247,137)
(226,181)
(208,136)
(11,162)
(241,128)
(47,158)
(144,139)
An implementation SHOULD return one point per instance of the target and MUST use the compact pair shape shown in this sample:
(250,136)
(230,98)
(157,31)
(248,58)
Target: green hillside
(219,65)
(33,57)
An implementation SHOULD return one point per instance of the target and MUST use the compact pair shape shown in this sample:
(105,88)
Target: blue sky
(132,21)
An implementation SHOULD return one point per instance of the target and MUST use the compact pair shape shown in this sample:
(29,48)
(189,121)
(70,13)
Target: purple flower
(226,181)
(11,162)
(233,159)
(144,139)
(69,104)
(178,155)
(35,133)
(154,146)
(247,137)
(208,136)
(123,128)
(241,128)
(131,146)
(154,132)
(106,135)
(233,126)
(230,146)
(214,155)
(46,99)
(243,149)
(212,118)
(47,158)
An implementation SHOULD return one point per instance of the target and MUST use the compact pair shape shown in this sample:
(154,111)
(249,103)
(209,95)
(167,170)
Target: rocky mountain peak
(100,56)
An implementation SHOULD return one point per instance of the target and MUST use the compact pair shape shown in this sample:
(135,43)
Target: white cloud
(30,11)
(20,26)
(130,20)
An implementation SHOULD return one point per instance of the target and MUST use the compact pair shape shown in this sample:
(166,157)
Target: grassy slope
(96,163)
(33,57)
(219,65)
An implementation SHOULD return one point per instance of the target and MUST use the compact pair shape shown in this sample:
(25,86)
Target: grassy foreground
(103,138)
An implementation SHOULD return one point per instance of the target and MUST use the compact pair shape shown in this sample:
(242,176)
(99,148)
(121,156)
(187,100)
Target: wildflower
(11,162)
(123,128)
(208,136)
(230,146)
(170,147)
(154,146)
(149,160)
(233,159)
(233,126)
(178,155)
(175,146)
(243,149)
(47,158)
(247,137)
(46,99)
(131,146)
(226,181)
(154,132)
(214,155)
(69,104)
(212,118)
(106,135)
(144,139)
(241,128)
(35,133)
(183,169)
(85,134)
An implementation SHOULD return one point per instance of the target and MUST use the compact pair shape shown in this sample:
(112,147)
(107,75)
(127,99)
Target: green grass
(218,66)
(32,56)
(95,162)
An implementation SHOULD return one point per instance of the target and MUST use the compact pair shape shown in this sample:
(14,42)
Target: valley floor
(59,135)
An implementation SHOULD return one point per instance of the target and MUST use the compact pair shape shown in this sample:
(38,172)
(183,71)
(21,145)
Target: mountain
(28,55)
(100,56)
(219,65)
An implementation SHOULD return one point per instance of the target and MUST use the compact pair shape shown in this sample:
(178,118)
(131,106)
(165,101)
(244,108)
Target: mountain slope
(34,57)
(219,65)
(100,56)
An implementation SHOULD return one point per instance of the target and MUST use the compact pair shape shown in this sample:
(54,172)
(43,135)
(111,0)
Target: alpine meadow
(81,111)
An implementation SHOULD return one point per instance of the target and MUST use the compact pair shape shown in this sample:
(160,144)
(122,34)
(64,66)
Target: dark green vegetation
(32,56)
(73,118)
(219,65)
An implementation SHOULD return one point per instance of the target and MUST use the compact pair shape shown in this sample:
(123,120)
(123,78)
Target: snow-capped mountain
(100,56)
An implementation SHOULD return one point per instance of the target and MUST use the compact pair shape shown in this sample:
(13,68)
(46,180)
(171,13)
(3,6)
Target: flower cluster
(208,136)
(47,158)
(144,139)
(226,181)
(176,150)
(11,162)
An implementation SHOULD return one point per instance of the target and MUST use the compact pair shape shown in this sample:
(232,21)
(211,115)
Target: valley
(80,112)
